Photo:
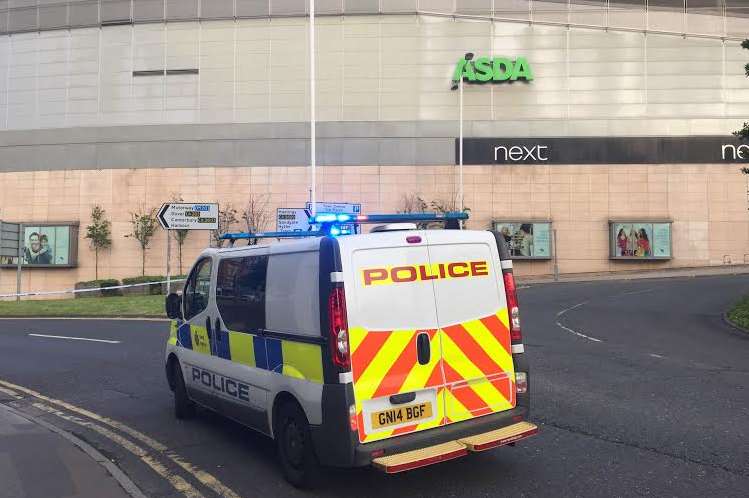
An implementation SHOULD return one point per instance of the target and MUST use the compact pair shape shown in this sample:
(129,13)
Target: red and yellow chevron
(470,368)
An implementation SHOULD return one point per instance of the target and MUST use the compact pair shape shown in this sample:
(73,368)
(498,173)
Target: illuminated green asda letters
(484,70)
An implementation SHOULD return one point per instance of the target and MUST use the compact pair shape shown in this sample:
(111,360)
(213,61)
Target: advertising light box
(526,239)
(640,240)
(48,245)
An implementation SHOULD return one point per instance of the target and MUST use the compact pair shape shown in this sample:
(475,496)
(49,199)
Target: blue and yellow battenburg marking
(291,358)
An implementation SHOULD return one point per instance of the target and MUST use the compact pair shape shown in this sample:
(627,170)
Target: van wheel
(295,448)
(184,408)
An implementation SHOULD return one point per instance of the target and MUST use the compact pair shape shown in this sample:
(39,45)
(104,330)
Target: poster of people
(46,245)
(526,240)
(641,240)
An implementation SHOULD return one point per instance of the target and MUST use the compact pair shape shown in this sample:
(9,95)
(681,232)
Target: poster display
(526,240)
(640,240)
(46,245)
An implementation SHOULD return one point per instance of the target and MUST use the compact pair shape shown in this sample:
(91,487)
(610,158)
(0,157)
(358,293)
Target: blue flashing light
(323,218)
(343,217)
(335,231)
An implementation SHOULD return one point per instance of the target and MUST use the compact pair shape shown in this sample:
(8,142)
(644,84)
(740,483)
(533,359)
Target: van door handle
(423,348)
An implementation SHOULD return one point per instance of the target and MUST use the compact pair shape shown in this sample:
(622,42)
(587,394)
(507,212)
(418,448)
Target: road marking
(204,477)
(572,308)
(74,338)
(176,481)
(656,355)
(10,393)
(579,334)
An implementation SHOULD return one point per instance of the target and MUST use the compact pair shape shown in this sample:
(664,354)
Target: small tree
(256,215)
(743,133)
(227,217)
(99,235)
(179,235)
(144,225)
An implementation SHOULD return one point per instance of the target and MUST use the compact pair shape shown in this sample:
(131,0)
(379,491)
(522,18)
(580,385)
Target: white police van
(398,348)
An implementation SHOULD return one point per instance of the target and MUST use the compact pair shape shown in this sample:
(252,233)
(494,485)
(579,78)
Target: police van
(398,348)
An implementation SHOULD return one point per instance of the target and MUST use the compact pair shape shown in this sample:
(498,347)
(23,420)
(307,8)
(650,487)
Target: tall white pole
(312,104)
(460,148)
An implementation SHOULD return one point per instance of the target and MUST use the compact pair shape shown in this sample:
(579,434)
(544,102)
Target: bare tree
(144,223)
(412,203)
(227,218)
(256,215)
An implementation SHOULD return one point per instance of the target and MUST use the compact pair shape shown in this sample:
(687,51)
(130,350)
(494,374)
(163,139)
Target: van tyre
(295,448)
(184,408)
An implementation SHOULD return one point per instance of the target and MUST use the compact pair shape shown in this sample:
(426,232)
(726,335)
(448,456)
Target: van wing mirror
(174,306)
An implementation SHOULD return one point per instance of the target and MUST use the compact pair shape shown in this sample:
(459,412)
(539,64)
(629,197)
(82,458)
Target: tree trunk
(96,263)
(143,262)
(179,253)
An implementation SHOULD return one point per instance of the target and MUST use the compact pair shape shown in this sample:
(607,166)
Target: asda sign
(497,69)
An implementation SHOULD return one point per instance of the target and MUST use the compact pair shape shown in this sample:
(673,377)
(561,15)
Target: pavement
(37,462)
(638,386)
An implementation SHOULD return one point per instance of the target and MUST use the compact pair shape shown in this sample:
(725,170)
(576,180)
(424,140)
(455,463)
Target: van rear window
(240,292)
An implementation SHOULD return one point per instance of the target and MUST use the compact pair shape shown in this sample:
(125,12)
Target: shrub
(95,284)
(153,290)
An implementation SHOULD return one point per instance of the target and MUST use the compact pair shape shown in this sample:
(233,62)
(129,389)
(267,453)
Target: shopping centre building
(598,133)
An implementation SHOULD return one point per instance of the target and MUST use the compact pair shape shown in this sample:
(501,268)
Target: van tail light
(521,382)
(339,344)
(512,306)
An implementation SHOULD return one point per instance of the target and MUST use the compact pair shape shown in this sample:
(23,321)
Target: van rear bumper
(336,445)
(431,437)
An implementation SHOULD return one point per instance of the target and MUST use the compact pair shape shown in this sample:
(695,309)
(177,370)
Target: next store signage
(603,150)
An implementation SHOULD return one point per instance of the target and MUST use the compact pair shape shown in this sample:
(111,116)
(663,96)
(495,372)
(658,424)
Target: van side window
(197,289)
(240,292)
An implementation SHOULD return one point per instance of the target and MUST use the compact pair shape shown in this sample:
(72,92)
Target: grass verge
(739,314)
(130,306)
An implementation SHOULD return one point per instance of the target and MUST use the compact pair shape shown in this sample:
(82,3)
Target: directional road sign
(336,207)
(292,220)
(189,216)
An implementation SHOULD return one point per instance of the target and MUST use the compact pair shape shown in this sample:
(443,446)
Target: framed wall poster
(526,239)
(640,240)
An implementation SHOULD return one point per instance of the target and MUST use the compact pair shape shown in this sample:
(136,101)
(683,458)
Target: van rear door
(393,334)
(473,322)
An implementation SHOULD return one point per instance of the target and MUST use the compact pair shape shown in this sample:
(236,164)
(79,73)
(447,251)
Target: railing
(720,18)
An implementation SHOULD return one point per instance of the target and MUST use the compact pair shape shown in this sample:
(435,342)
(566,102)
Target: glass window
(198,289)
(240,292)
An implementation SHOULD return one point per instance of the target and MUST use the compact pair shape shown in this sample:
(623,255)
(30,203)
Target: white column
(313,172)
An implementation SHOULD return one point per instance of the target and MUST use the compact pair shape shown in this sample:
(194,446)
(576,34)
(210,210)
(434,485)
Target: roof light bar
(268,235)
(387,218)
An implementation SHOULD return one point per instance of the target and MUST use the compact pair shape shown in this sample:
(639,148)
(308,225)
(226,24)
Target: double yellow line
(145,448)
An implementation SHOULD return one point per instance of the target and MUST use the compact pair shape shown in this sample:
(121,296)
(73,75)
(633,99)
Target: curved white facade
(372,68)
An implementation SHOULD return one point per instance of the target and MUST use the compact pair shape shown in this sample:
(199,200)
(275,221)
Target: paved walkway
(620,275)
(38,463)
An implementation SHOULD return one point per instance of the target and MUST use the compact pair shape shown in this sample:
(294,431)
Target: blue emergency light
(330,224)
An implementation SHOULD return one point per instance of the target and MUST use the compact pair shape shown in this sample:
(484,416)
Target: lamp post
(458,85)
(313,189)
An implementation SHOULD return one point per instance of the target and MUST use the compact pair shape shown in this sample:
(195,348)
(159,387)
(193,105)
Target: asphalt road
(638,386)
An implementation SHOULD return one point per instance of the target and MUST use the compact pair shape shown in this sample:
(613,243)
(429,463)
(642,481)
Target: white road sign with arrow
(188,216)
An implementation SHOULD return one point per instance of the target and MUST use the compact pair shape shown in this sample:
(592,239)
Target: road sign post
(185,216)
